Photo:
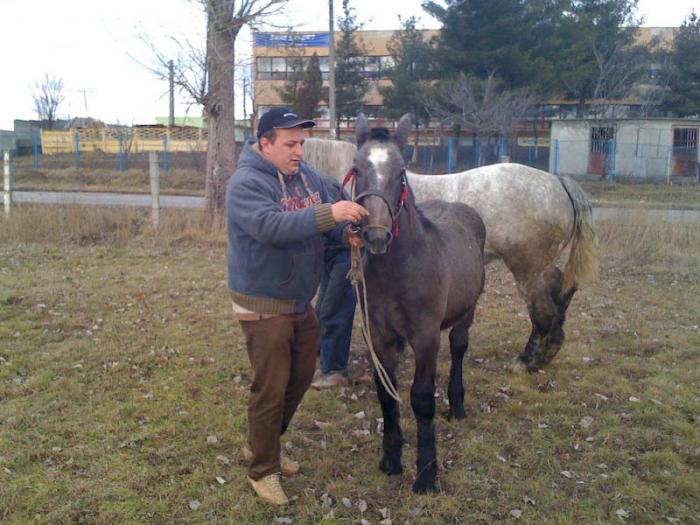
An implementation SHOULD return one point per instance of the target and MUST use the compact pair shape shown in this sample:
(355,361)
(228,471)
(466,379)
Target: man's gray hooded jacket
(276,237)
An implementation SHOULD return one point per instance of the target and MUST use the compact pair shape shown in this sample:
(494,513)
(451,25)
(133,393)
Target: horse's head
(381,187)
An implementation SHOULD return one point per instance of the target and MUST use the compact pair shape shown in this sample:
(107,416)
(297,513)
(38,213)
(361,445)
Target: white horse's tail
(582,265)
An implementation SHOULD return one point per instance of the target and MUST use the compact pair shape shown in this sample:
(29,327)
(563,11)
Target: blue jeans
(335,308)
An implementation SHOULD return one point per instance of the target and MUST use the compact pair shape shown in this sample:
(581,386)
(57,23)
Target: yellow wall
(107,140)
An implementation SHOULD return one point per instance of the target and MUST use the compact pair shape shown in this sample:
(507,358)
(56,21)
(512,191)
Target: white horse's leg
(547,308)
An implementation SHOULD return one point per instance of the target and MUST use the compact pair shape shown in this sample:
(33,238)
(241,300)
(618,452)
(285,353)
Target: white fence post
(155,188)
(7,183)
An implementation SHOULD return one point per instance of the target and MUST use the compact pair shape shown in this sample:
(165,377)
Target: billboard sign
(291,40)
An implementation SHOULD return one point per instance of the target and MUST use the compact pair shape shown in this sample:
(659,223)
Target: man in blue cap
(280,217)
(335,307)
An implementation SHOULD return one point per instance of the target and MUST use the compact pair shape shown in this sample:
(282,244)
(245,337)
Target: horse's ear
(362,129)
(402,130)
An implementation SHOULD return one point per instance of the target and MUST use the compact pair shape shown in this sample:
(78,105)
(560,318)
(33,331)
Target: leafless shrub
(482,105)
(48,95)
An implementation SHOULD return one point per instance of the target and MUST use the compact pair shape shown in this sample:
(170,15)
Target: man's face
(287,150)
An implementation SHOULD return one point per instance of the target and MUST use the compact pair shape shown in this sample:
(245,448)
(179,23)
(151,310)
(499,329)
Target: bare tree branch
(48,95)
(480,104)
(205,72)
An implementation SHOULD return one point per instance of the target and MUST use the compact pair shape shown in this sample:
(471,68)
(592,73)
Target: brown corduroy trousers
(282,351)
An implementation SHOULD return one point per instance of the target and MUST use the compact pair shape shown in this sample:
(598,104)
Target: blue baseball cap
(281,118)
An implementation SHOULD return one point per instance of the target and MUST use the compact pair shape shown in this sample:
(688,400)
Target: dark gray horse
(424,272)
(532,220)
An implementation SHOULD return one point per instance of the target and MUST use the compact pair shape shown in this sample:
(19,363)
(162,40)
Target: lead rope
(357,278)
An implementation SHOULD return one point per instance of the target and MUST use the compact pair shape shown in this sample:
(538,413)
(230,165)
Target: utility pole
(331,72)
(245,88)
(85,92)
(171,79)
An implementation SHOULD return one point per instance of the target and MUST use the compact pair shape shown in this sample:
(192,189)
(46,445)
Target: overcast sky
(93,45)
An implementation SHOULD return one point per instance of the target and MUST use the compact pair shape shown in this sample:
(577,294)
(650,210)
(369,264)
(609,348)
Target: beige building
(275,53)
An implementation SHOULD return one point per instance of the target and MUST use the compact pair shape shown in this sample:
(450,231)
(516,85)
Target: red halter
(351,177)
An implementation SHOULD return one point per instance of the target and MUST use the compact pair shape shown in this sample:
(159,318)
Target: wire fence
(603,159)
(624,161)
(453,157)
(193,161)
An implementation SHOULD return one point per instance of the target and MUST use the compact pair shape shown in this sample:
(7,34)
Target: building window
(685,139)
(263,68)
(279,68)
(323,65)
(386,65)
(296,65)
(372,111)
(372,69)
(600,139)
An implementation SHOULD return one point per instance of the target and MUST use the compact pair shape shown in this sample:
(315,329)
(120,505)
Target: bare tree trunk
(414,159)
(207,75)
(219,109)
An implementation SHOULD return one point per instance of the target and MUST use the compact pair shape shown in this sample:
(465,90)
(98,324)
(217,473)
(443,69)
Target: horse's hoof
(517,366)
(424,486)
(390,467)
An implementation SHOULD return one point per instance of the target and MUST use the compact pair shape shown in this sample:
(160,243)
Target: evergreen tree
(684,96)
(303,90)
(312,89)
(350,82)
(289,92)
(579,49)
(413,60)
(481,37)
(594,56)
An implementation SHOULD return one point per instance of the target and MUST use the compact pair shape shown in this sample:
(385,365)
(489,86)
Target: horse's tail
(583,258)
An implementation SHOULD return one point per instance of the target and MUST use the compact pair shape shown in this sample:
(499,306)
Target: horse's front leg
(423,403)
(393,440)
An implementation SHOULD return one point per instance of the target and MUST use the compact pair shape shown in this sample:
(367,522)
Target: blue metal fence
(452,157)
(612,160)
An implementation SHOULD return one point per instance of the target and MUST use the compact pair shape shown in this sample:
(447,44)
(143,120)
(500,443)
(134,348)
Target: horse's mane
(379,134)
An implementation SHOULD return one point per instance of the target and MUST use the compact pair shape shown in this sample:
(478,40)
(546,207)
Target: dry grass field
(123,387)
(175,181)
(644,195)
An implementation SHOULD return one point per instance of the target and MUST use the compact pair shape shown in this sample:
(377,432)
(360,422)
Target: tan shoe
(269,489)
(288,466)
(330,380)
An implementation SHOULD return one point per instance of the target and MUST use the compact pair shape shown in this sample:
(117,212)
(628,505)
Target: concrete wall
(574,139)
(642,148)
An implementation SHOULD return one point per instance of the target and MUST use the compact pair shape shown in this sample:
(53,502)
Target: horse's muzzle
(377,239)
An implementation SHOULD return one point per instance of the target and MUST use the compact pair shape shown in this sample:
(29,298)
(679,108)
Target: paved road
(105,199)
(173,201)
(654,214)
